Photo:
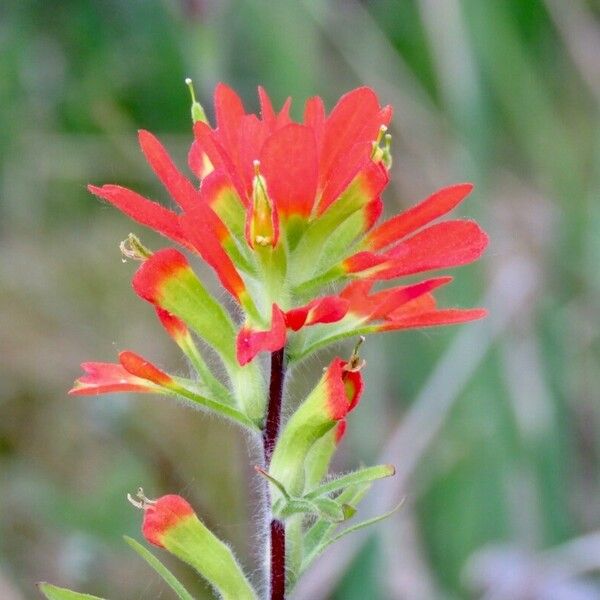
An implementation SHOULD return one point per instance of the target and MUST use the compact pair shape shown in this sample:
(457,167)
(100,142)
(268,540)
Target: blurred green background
(494,426)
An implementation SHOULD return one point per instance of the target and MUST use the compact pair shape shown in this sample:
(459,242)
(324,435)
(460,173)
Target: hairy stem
(270,434)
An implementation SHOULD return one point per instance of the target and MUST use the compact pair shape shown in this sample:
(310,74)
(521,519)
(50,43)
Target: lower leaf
(168,577)
(56,593)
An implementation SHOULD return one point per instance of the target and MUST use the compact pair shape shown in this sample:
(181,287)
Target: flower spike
(287,216)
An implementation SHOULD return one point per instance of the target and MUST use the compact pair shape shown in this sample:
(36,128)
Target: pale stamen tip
(139,500)
(188,81)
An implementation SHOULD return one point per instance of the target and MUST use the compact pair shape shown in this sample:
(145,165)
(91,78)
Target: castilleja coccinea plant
(287,215)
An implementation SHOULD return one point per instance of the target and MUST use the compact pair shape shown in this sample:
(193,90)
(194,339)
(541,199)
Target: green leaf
(169,578)
(356,477)
(184,296)
(330,510)
(324,508)
(364,524)
(322,529)
(55,593)
(309,423)
(192,542)
(319,549)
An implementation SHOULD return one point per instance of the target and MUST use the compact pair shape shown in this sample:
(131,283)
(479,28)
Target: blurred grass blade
(169,578)
(55,593)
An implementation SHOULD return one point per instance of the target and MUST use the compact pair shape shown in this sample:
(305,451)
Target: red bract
(133,374)
(162,515)
(285,208)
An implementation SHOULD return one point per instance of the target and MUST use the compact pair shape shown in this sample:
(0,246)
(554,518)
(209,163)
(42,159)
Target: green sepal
(192,542)
(323,508)
(273,267)
(294,548)
(362,525)
(366,475)
(308,251)
(167,576)
(319,336)
(249,390)
(318,459)
(309,423)
(56,593)
(232,212)
(337,246)
(322,530)
(184,296)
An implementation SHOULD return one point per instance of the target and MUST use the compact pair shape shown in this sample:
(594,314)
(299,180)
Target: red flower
(133,374)
(285,208)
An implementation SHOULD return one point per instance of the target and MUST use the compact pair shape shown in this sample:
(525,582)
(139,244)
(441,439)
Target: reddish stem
(277,560)
(272,426)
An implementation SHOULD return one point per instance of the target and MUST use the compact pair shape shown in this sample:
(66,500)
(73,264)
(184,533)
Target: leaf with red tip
(336,394)
(180,188)
(167,281)
(171,523)
(355,118)
(435,206)
(327,309)
(250,342)
(107,378)
(144,211)
(288,161)
(161,516)
(221,210)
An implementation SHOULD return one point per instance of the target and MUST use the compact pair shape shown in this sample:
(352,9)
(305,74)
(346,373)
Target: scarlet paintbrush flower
(285,208)
(286,214)
(172,524)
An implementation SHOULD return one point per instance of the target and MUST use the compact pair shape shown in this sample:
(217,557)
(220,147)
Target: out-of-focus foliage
(494,427)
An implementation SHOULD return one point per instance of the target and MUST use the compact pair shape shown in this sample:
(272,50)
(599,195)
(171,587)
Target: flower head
(283,209)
